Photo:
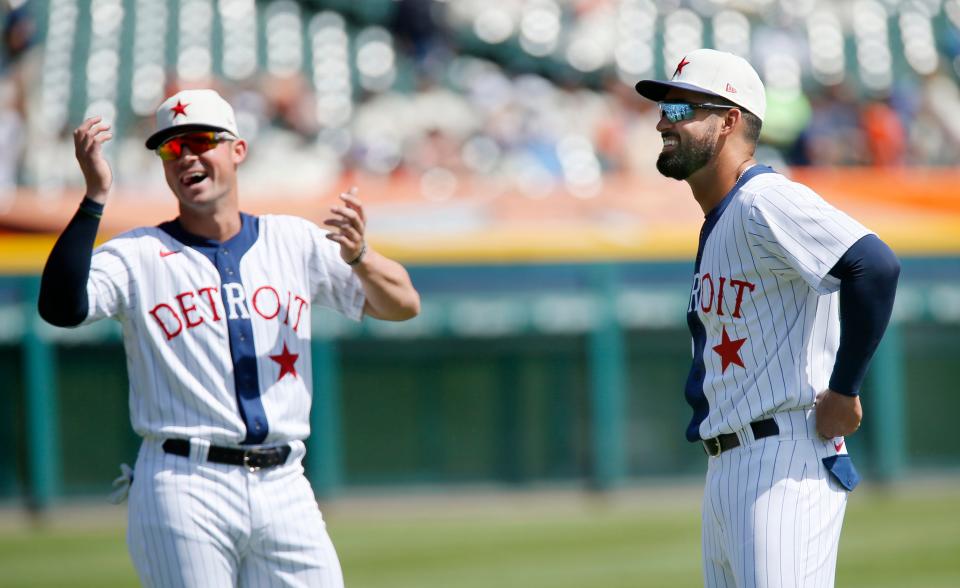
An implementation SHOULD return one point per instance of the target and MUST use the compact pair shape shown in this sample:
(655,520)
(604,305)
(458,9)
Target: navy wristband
(91,208)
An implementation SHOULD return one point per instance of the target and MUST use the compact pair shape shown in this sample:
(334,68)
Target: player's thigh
(293,548)
(180,530)
(792,530)
(716,566)
(164,560)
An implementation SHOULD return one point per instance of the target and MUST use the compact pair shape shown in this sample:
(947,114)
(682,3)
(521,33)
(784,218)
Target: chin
(671,167)
(198,200)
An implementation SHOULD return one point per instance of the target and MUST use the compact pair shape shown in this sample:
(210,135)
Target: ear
(731,120)
(238,151)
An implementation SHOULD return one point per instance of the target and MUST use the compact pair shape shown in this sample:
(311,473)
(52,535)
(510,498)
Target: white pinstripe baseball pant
(771,512)
(198,524)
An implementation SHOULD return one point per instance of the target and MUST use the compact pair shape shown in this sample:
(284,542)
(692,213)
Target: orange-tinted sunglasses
(198,143)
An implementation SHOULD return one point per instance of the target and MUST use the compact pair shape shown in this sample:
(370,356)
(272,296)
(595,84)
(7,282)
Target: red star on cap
(179,109)
(680,66)
(287,361)
(729,350)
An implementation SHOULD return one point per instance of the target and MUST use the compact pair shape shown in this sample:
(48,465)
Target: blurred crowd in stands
(440,89)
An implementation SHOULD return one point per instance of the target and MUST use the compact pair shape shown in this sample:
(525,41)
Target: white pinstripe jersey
(217,336)
(763,309)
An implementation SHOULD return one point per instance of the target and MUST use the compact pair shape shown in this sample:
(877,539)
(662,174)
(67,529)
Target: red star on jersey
(680,66)
(286,361)
(179,108)
(729,350)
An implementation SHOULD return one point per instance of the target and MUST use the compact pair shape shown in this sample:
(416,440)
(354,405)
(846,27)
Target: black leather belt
(254,458)
(721,443)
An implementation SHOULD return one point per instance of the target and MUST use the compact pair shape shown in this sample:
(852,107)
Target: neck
(715,180)
(218,225)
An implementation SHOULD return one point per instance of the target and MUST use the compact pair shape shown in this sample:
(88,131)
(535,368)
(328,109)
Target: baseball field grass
(901,537)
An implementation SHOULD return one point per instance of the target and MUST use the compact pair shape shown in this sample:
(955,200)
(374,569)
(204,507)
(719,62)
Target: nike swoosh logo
(168,253)
(838,446)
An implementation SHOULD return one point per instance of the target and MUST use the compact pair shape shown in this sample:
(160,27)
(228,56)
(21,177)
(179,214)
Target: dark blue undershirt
(868,274)
(63,286)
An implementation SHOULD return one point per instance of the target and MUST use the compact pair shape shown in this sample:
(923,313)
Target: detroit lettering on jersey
(711,298)
(183,312)
(763,309)
(218,334)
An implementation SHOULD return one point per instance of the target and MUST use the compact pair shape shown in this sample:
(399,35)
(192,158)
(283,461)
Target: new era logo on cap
(715,73)
(190,110)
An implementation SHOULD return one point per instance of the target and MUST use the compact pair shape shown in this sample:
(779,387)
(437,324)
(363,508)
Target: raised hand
(88,140)
(348,224)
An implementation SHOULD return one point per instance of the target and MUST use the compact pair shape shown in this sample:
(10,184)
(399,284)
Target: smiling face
(202,178)
(688,145)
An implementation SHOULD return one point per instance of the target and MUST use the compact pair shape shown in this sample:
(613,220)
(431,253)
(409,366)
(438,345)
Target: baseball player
(790,298)
(215,307)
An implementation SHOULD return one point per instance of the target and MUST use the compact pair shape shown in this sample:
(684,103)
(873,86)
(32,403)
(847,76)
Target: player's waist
(253,458)
(784,425)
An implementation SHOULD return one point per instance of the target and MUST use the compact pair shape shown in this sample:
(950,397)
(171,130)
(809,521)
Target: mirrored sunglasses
(197,143)
(678,111)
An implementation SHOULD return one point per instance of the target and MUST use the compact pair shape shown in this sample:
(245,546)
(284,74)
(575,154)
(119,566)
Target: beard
(682,162)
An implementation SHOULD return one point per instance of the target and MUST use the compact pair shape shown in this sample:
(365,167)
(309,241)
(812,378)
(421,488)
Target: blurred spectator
(788,114)
(935,130)
(884,134)
(18,38)
(834,136)
(417,27)
(291,104)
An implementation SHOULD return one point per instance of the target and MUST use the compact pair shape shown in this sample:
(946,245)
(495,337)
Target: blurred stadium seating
(534,92)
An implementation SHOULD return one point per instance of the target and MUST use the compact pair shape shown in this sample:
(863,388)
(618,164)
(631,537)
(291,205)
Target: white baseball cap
(715,73)
(192,110)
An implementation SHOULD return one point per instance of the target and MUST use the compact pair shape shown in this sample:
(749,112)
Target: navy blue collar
(249,229)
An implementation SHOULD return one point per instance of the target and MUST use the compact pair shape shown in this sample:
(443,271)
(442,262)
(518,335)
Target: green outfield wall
(511,375)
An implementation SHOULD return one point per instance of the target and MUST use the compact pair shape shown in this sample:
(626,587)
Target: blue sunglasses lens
(676,111)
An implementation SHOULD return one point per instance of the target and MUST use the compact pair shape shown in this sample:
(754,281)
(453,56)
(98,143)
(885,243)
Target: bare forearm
(390,293)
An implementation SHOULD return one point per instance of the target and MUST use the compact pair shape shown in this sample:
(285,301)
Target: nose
(663,124)
(186,156)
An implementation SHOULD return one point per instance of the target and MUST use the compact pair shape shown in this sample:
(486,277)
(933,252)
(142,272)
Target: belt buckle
(712,446)
(246,463)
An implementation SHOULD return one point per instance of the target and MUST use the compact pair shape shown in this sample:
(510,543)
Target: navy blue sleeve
(63,287)
(868,274)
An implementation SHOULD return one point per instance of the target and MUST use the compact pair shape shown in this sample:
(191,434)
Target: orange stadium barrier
(917,211)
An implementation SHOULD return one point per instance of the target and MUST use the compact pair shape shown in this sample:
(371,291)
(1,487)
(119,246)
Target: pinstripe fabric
(167,298)
(205,525)
(771,512)
(186,317)
(763,281)
(764,315)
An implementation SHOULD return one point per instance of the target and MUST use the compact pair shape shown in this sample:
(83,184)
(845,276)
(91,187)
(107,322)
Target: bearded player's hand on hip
(837,415)
(88,140)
